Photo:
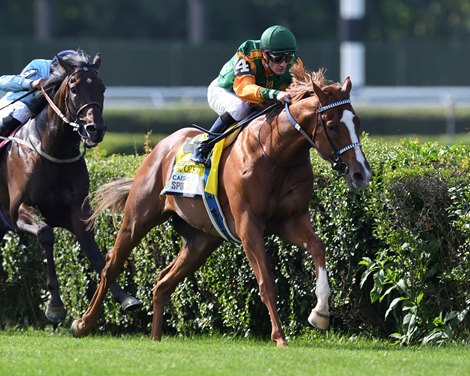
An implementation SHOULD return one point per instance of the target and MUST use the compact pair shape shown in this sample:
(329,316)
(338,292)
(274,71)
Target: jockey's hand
(284,97)
(36,84)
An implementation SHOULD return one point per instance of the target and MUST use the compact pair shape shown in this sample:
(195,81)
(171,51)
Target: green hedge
(397,253)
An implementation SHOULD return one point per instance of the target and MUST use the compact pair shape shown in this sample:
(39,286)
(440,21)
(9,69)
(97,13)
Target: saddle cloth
(190,179)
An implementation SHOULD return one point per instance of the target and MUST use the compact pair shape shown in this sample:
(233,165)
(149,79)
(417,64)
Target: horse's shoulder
(187,132)
(180,136)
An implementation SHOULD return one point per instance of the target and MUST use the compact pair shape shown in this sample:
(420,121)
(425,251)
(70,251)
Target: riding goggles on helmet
(278,57)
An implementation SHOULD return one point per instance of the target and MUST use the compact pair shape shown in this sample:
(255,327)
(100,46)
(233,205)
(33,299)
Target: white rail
(127,97)
(140,97)
(137,97)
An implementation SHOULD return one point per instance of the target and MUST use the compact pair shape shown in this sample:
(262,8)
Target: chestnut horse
(265,183)
(43,175)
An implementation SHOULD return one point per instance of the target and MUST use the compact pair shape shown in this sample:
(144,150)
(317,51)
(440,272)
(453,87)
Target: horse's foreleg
(29,223)
(300,233)
(253,244)
(320,316)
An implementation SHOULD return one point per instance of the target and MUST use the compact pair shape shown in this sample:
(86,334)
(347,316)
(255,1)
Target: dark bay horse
(43,175)
(265,183)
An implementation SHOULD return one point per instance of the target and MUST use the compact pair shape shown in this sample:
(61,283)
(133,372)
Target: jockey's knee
(8,124)
(240,110)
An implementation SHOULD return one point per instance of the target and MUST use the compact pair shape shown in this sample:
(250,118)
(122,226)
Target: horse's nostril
(357,176)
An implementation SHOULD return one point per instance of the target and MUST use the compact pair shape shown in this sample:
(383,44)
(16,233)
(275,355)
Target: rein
(336,163)
(56,109)
(18,99)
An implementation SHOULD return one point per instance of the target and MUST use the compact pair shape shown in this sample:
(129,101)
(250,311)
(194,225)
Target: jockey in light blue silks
(17,106)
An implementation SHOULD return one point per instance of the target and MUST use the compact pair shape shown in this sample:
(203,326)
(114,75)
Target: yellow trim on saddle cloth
(212,184)
(213,178)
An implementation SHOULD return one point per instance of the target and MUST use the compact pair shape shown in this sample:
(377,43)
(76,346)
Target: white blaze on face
(347,119)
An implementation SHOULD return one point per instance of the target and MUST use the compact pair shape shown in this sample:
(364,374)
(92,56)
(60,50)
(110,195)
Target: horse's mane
(80,60)
(58,74)
(302,79)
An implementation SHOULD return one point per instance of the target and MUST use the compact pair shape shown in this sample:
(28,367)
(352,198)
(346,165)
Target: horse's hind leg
(132,230)
(193,254)
(88,245)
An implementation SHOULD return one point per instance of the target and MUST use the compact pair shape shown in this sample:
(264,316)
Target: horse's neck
(47,131)
(282,142)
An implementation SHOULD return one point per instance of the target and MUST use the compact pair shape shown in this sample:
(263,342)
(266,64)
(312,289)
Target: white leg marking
(322,291)
(347,119)
(320,317)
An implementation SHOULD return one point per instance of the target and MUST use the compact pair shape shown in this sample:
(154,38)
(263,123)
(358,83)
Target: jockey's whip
(20,98)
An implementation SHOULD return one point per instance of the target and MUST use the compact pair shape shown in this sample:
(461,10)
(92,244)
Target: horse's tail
(109,196)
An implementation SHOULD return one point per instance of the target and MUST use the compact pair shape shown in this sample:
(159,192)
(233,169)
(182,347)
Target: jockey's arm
(245,88)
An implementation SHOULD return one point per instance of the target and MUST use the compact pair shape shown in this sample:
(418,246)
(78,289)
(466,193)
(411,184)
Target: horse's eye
(332,127)
(73,90)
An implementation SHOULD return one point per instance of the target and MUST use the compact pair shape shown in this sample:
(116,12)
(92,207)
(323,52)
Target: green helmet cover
(278,38)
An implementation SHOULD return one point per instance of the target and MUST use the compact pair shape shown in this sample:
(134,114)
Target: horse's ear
(347,85)
(97,61)
(319,93)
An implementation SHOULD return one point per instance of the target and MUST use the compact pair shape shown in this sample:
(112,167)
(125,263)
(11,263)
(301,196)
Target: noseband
(337,162)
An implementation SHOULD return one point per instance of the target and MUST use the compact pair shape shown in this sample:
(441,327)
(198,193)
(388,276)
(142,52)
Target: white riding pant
(18,110)
(221,100)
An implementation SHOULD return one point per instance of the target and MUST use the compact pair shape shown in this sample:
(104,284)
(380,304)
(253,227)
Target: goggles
(278,57)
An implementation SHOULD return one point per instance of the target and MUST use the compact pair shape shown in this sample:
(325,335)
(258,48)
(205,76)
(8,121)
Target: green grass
(36,352)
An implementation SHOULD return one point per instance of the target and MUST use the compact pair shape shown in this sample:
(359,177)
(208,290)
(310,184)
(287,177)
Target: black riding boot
(8,125)
(220,125)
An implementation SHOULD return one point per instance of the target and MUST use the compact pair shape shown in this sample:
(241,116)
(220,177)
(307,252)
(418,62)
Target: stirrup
(199,157)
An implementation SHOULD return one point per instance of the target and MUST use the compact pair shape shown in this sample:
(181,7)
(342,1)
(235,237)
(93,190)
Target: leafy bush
(397,253)
(417,271)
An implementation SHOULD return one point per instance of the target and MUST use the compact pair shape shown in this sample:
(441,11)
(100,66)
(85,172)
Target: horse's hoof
(74,329)
(281,345)
(319,320)
(130,304)
(55,314)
